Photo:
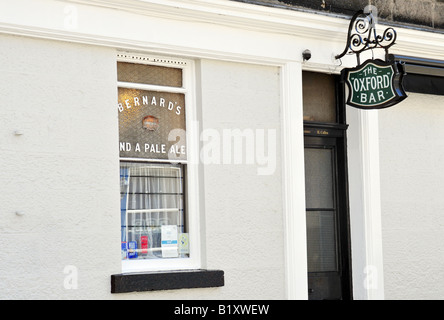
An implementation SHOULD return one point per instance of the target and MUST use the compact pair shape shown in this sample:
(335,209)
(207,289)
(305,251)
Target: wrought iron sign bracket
(362,36)
(376,83)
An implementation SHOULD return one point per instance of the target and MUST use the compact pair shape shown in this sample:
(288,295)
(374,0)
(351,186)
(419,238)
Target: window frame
(191,175)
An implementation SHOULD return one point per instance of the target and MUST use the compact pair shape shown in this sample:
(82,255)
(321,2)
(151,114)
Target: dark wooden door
(328,243)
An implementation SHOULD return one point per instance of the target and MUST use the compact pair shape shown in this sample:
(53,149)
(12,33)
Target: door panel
(324,287)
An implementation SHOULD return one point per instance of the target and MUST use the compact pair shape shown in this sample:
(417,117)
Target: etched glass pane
(321,243)
(148,74)
(319,192)
(151,124)
(319,97)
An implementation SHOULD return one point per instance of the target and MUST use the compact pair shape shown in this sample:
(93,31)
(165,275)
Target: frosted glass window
(149,74)
(319,97)
(321,243)
(319,192)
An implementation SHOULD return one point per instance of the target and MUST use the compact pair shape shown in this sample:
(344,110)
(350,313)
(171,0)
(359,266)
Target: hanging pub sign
(376,83)
(151,124)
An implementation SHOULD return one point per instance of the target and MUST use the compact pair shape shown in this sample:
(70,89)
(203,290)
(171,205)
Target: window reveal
(152,148)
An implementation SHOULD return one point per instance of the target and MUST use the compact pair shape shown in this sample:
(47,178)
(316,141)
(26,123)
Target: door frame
(338,131)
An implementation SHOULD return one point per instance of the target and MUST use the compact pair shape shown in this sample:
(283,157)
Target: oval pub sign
(375,84)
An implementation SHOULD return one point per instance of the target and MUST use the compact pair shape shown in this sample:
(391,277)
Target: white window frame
(192,201)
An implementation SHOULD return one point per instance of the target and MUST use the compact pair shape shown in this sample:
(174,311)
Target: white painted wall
(412,175)
(243,210)
(61,173)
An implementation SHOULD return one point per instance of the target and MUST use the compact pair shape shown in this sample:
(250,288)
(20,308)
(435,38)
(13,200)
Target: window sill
(166,280)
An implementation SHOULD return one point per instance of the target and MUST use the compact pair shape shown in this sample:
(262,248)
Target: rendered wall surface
(61,173)
(412,172)
(243,209)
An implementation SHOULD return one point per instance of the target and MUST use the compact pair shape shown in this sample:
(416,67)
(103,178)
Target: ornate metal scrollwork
(362,36)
